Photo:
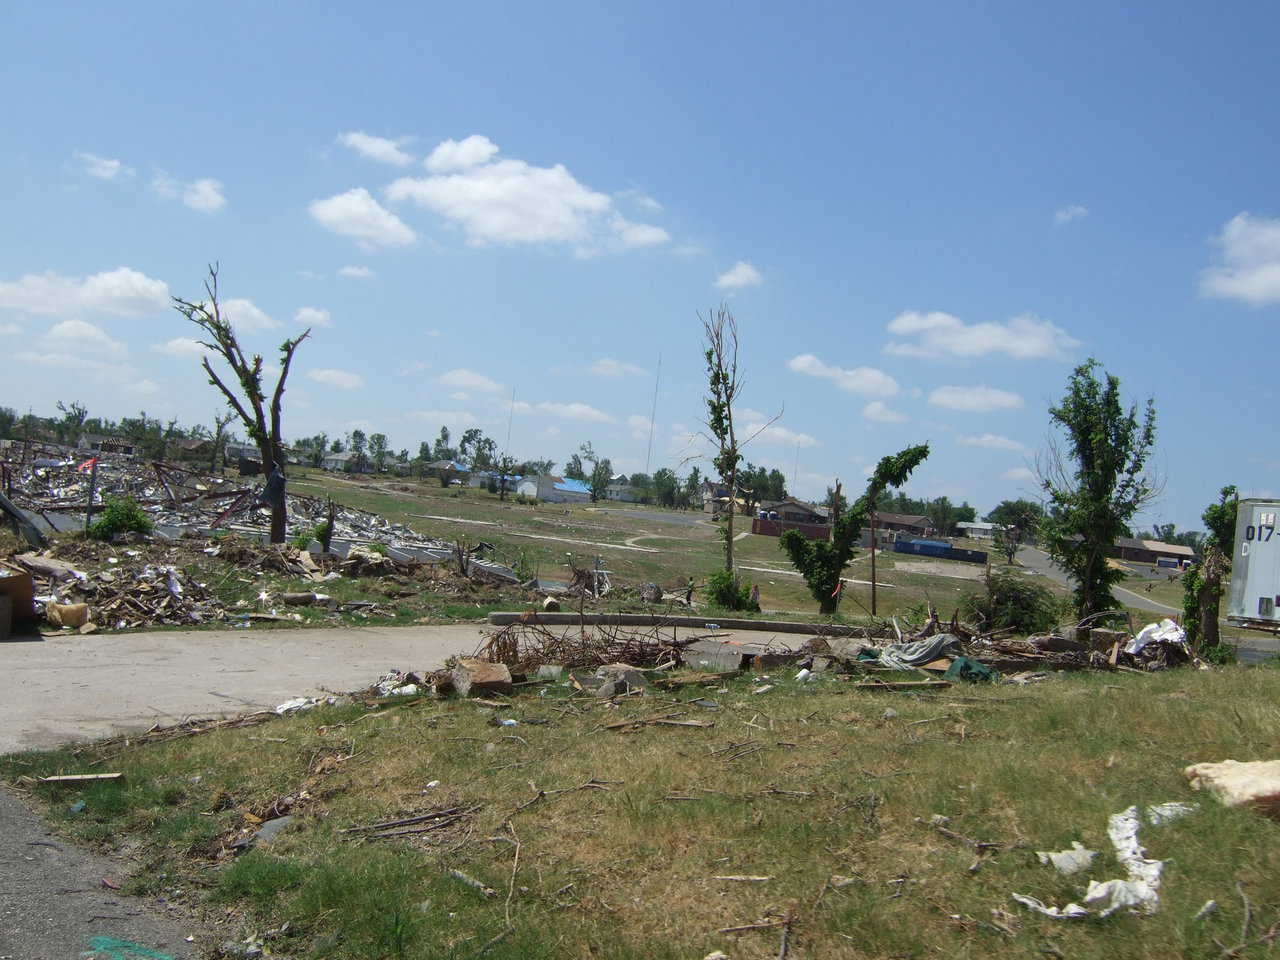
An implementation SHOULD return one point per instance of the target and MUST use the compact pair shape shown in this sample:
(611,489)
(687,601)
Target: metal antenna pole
(653,413)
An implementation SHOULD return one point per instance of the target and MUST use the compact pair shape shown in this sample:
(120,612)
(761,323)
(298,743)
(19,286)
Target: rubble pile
(524,647)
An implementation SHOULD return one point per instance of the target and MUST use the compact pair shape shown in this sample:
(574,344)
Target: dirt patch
(932,568)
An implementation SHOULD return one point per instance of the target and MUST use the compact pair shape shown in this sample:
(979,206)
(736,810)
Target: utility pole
(653,413)
(873,563)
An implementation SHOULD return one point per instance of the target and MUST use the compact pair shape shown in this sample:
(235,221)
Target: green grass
(834,790)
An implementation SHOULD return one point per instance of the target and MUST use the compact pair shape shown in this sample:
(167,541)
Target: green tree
(1202,583)
(1097,484)
(260,418)
(467,445)
(835,501)
(1016,521)
(378,451)
(665,487)
(573,468)
(942,516)
(720,352)
(8,420)
(442,450)
(358,444)
(71,425)
(821,562)
(690,489)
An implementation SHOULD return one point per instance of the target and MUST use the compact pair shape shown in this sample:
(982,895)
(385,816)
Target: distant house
(1153,551)
(978,530)
(234,450)
(101,444)
(903,523)
(552,489)
(622,492)
(343,462)
(792,510)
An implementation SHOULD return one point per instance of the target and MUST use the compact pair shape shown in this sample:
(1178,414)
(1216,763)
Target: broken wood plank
(81,777)
(902,685)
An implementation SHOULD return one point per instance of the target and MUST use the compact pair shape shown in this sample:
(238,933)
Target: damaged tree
(261,421)
(1092,500)
(1202,583)
(720,332)
(822,561)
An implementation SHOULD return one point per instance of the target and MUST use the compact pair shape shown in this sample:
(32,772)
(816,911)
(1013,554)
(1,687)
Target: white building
(554,489)
(978,530)
(622,492)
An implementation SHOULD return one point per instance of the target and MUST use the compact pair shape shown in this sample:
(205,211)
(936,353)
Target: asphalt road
(53,902)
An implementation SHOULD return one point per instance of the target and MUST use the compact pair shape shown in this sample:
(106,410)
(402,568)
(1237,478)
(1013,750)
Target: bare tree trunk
(1211,569)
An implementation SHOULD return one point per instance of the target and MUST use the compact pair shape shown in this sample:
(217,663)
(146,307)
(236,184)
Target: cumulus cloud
(246,316)
(117,374)
(974,399)
(992,441)
(342,379)
(181,347)
(103,168)
(510,201)
(1018,474)
(880,412)
(73,335)
(1070,213)
(446,418)
(741,274)
(356,214)
(608,367)
(641,199)
(451,155)
(938,334)
(123,291)
(376,148)
(575,411)
(865,381)
(1249,271)
(753,428)
(204,195)
(464,379)
(312,317)
(357,273)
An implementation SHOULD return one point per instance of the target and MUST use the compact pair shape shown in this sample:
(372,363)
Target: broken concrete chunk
(623,676)
(472,677)
(651,593)
(67,614)
(1236,784)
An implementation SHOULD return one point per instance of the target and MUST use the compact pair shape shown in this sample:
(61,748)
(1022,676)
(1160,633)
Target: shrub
(378,546)
(1011,601)
(725,590)
(119,515)
(1220,654)
(302,539)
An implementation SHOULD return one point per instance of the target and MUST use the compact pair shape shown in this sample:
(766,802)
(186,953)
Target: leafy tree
(666,487)
(378,451)
(1202,583)
(536,468)
(942,516)
(821,562)
(720,336)
(71,425)
(260,419)
(486,455)
(835,501)
(775,485)
(8,420)
(1016,522)
(337,445)
(1098,484)
(442,450)
(358,444)
(690,489)
(965,513)
(220,421)
(573,468)
(506,470)
(467,445)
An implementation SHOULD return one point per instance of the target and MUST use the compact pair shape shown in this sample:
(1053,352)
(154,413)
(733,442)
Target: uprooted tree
(821,562)
(1202,584)
(261,418)
(1097,484)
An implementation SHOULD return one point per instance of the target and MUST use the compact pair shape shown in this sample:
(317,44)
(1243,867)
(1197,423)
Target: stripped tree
(261,418)
(821,562)
(720,333)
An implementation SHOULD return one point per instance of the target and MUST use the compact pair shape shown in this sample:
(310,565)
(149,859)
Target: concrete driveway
(85,688)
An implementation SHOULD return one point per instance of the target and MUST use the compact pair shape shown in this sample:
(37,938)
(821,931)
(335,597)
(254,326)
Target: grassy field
(615,843)
(674,547)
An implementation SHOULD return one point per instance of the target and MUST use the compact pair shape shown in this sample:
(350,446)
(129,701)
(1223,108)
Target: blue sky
(921,215)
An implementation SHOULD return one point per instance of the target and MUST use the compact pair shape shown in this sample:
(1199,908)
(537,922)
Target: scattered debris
(1067,862)
(1255,783)
(481,676)
(75,778)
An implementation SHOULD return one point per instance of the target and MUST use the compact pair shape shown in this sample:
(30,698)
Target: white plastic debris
(804,675)
(296,704)
(1072,911)
(1067,862)
(1166,631)
(1161,813)
(508,722)
(408,690)
(432,784)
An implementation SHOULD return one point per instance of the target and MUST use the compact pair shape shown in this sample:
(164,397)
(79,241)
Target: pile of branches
(524,647)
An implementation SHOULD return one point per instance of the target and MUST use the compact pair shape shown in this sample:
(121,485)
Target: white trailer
(1255,567)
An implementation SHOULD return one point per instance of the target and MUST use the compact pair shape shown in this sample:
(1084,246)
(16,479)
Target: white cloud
(342,379)
(356,214)
(520,406)
(881,412)
(741,274)
(639,426)
(608,367)
(1249,248)
(143,388)
(103,168)
(246,316)
(1018,474)
(452,155)
(120,374)
(123,291)
(181,347)
(641,200)
(312,317)
(464,379)
(448,418)
(752,426)
(974,399)
(1069,213)
(80,336)
(992,441)
(358,273)
(376,148)
(634,235)
(204,195)
(938,334)
(575,411)
(866,381)
(10,329)
(510,201)
(461,396)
